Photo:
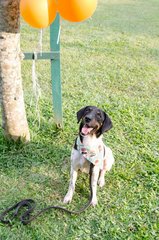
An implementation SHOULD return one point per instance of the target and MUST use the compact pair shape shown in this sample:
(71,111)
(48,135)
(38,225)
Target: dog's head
(93,121)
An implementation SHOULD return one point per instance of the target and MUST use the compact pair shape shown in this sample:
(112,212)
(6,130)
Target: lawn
(111,61)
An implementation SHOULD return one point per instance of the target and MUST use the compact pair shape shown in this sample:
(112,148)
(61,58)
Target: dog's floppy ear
(107,124)
(80,113)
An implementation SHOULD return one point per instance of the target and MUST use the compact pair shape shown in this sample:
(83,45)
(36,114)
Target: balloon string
(36,87)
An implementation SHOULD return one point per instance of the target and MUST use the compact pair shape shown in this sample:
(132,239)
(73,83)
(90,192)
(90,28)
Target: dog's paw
(67,199)
(94,202)
(101,182)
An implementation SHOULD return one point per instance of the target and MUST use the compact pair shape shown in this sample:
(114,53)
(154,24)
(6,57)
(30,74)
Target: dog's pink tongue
(86,130)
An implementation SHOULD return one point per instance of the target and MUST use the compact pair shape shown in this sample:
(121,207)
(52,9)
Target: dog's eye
(99,115)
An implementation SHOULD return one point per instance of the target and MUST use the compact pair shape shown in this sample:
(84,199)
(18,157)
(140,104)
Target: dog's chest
(90,151)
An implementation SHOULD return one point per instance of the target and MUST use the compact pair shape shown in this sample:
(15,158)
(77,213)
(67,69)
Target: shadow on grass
(35,167)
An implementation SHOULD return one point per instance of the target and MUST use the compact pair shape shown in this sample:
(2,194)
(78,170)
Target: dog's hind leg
(69,195)
(101,180)
(108,162)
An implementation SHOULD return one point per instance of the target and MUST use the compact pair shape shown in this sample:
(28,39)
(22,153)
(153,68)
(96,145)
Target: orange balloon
(38,13)
(76,10)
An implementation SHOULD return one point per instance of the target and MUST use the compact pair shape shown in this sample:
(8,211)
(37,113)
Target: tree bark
(14,121)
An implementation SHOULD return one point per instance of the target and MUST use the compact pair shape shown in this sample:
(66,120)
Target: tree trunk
(14,120)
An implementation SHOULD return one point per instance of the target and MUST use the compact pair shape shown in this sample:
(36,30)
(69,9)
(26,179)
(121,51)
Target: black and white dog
(89,147)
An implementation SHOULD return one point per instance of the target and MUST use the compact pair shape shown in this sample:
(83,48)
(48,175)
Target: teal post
(55,71)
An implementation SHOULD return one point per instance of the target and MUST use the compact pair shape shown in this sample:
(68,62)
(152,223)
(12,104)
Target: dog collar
(92,154)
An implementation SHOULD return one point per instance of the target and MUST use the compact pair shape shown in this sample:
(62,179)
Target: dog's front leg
(94,180)
(69,195)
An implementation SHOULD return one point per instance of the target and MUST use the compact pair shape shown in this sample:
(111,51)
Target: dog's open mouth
(86,129)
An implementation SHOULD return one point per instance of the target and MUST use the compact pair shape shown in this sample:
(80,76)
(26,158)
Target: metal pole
(55,71)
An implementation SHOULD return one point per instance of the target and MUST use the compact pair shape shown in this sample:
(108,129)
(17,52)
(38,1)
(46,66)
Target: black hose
(26,217)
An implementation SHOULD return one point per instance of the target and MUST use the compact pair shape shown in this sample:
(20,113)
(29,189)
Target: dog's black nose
(87,119)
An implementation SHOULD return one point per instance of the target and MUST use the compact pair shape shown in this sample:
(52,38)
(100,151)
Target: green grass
(111,61)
